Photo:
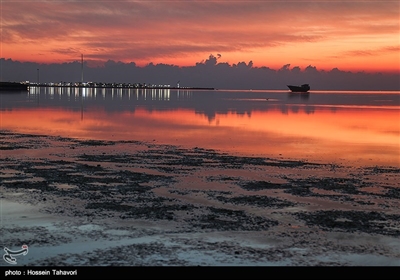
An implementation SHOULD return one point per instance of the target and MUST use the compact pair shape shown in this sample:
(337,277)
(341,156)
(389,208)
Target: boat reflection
(302,95)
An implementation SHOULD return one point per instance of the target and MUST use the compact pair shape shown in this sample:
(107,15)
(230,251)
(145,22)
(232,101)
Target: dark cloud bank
(208,73)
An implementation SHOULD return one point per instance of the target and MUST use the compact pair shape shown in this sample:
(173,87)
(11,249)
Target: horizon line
(101,64)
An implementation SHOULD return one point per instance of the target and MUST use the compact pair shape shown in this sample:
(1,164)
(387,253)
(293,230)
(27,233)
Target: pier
(6,86)
(116,85)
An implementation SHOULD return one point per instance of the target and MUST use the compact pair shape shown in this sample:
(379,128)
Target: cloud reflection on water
(330,126)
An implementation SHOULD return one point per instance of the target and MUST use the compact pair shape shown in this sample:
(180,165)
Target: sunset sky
(349,35)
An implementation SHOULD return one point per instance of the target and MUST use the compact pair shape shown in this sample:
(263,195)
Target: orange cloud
(270,33)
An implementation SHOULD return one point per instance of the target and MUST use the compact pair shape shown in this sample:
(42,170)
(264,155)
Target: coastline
(131,203)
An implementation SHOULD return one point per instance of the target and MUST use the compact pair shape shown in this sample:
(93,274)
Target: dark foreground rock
(130,203)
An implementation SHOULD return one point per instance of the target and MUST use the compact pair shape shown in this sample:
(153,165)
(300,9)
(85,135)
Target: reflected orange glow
(363,136)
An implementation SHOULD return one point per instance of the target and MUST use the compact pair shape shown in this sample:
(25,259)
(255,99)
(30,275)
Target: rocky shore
(128,203)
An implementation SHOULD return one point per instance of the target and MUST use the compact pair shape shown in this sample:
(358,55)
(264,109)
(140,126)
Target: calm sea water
(352,127)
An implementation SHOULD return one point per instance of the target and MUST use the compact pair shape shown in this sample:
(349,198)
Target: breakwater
(116,85)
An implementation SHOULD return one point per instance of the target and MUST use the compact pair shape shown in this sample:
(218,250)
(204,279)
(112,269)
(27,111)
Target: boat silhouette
(13,86)
(302,88)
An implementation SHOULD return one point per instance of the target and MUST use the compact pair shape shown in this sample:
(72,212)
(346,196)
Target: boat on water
(302,88)
(13,86)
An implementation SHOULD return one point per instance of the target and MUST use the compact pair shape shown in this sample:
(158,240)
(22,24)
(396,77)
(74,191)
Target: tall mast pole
(82,69)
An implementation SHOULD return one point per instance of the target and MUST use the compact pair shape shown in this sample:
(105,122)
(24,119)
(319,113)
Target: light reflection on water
(359,127)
